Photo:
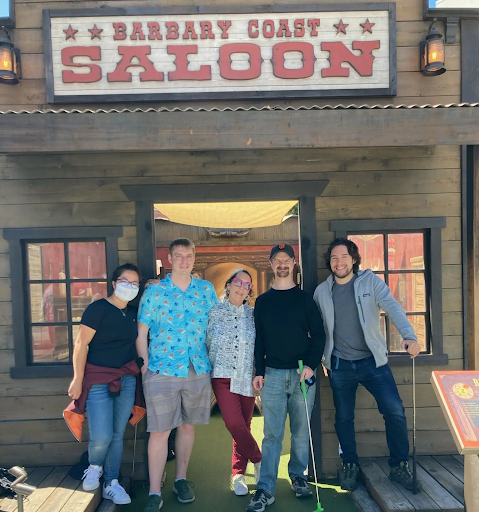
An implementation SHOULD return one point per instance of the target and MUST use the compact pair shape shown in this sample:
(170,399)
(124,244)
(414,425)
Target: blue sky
(4,8)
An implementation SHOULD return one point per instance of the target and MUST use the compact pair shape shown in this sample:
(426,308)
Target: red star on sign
(368,26)
(95,31)
(341,27)
(70,32)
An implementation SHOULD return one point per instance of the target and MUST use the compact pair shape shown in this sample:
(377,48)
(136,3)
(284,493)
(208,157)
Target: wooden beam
(472,256)
(201,131)
(469,60)
(224,192)
(145,236)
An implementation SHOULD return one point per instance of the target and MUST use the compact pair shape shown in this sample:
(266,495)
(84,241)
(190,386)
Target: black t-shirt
(288,328)
(113,344)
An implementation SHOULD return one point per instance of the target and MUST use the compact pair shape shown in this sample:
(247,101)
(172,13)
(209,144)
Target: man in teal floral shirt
(176,378)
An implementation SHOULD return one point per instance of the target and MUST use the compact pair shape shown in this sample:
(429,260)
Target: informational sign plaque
(458,395)
(183,53)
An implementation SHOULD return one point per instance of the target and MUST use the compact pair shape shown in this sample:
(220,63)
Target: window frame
(18,240)
(448,12)
(9,20)
(431,227)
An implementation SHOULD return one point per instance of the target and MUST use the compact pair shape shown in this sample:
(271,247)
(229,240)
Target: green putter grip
(303,384)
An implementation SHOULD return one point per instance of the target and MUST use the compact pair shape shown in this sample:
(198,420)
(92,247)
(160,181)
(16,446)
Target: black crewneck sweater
(288,328)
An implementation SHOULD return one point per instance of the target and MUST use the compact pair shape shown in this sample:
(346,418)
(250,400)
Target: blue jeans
(281,394)
(344,378)
(107,420)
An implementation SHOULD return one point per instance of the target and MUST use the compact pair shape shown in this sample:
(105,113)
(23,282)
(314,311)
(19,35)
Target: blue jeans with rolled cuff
(107,420)
(281,395)
(344,378)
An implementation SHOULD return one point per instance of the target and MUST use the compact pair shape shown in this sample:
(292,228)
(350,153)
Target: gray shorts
(171,401)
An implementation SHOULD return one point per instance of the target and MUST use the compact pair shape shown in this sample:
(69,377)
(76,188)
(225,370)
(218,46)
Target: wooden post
(472,258)
(145,239)
(471,482)
(309,275)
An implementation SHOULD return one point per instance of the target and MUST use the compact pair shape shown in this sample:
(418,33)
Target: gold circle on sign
(463,391)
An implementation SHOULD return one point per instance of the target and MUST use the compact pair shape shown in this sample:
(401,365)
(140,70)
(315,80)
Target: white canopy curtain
(250,214)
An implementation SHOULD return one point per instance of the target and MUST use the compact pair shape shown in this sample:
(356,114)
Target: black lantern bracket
(452,27)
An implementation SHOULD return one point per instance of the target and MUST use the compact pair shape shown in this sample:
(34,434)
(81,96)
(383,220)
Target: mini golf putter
(303,389)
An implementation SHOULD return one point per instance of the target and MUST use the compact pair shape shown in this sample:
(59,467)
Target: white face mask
(125,293)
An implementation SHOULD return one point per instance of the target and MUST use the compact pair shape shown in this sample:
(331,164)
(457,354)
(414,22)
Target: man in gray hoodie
(350,302)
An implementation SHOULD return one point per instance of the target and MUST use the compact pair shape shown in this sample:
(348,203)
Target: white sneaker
(257,471)
(91,477)
(116,493)
(239,484)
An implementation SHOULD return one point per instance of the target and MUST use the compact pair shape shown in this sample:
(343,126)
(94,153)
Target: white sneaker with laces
(91,477)
(116,493)
(239,484)
(257,471)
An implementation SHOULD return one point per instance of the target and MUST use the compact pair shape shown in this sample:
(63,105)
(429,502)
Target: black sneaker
(402,475)
(300,487)
(348,476)
(153,504)
(261,499)
(184,489)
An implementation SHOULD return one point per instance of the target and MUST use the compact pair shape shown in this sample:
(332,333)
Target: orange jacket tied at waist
(74,414)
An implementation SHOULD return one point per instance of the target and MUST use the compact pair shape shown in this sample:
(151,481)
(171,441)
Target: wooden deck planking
(435,490)
(420,501)
(35,478)
(452,465)
(61,494)
(382,489)
(46,489)
(56,492)
(459,458)
(436,495)
(443,476)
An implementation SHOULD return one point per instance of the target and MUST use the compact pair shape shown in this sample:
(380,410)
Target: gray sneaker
(402,475)
(300,487)
(348,476)
(261,499)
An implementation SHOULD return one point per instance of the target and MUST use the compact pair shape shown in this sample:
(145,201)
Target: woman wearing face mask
(230,341)
(103,361)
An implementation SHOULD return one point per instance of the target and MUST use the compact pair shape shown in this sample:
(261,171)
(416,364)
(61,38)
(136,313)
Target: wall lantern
(432,53)
(10,63)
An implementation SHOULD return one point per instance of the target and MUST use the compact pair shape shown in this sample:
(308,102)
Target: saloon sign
(142,54)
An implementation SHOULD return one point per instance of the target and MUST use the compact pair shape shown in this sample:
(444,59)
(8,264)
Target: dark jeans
(344,378)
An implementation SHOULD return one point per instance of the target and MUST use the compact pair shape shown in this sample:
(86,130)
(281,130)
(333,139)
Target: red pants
(237,411)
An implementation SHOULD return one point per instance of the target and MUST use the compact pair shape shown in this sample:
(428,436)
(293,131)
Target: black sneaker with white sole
(261,499)
(300,487)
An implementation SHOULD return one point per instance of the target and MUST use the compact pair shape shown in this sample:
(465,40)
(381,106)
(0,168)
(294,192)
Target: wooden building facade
(89,171)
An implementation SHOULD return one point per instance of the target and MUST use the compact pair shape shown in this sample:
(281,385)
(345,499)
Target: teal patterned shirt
(177,322)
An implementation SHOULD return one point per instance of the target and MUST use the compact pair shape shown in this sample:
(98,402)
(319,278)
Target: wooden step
(443,490)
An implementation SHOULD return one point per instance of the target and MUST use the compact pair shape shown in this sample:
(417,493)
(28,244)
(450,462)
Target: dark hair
(183,242)
(352,250)
(233,275)
(127,266)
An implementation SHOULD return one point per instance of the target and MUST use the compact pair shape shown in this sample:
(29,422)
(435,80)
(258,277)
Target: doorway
(304,193)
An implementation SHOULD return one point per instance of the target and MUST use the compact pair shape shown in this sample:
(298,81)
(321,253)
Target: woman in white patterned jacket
(230,341)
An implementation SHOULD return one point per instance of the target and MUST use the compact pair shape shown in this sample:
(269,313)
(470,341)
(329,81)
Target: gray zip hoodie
(372,294)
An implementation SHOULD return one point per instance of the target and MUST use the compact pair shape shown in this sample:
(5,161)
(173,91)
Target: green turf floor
(210,470)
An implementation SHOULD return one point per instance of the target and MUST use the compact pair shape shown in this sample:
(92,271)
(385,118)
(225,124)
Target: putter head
(320,508)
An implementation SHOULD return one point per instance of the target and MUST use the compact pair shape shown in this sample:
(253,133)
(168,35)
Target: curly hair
(352,250)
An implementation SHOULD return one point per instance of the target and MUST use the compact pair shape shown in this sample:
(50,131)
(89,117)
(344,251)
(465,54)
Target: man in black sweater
(288,328)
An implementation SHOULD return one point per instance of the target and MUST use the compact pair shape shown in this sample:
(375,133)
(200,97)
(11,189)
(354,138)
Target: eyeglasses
(240,283)
(133,285)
